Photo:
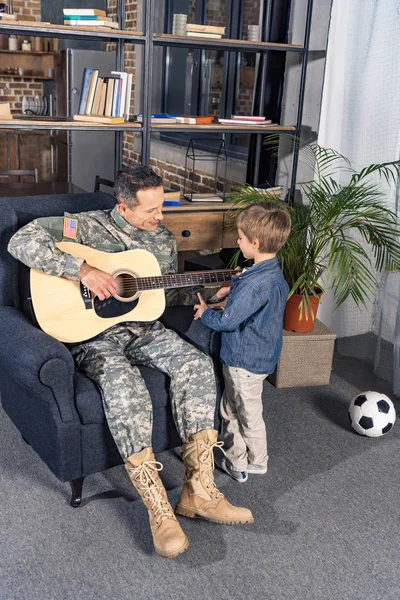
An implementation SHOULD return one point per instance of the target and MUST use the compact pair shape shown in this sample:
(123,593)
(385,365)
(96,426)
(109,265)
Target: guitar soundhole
(127,287)
(125,299)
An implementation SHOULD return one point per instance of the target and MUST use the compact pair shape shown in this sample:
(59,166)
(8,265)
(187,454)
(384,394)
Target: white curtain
(360,113)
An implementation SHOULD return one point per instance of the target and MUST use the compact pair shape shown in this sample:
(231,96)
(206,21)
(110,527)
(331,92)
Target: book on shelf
(86,78)
(192,120)
(97,97)
(109,96)
(103,95)
(84,12)
(122,78)
(91,92)
(204,198)
(159,118)
(194,27)
(98,119)
(245,122)
(92,23)
(78,17)
(128,96)
(214,36)
(116,97)
(250,118)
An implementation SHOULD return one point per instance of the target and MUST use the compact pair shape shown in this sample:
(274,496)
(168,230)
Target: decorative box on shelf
(306,358)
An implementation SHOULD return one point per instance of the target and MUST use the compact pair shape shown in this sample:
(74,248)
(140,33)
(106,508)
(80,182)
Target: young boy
(251,326)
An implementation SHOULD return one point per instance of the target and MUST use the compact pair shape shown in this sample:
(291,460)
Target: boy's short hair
(267,222)
(131,180)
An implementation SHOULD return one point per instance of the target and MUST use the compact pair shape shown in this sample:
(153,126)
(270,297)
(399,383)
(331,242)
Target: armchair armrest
(34,359)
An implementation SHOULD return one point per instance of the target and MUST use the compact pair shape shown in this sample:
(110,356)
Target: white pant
(243,427)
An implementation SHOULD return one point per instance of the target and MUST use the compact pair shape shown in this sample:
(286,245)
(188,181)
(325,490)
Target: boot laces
(208,464)
(145,474)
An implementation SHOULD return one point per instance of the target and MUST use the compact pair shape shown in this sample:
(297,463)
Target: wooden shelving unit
(39,29)
(165,39)
(30,124)
(149,39)
(32,61)
(39,77)
(30,53)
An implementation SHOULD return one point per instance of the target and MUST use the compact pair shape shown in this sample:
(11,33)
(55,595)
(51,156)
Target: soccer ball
(372,414)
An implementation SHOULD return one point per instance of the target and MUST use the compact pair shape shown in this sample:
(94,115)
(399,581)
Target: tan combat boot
(200,496)
(168,538)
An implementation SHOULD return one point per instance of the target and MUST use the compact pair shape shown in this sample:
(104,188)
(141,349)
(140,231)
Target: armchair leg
(76,487)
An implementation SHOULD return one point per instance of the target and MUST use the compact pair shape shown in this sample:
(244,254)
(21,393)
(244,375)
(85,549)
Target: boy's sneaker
(240,476)
(256,470)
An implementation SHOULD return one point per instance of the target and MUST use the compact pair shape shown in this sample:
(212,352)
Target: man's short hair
(266,221)
(132,179)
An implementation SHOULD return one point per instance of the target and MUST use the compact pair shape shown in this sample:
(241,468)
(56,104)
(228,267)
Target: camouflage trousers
(111,361)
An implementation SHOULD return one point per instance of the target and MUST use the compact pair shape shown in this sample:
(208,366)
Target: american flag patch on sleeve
(70,228)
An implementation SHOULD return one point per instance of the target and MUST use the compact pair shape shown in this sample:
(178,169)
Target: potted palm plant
(342,231)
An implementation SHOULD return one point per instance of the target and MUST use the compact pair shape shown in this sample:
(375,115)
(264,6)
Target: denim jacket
(251,323)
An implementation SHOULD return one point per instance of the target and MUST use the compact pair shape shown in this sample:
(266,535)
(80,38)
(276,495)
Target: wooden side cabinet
(200,227)
(29,150)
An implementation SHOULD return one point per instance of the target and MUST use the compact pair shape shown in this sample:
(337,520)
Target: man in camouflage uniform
(111,358)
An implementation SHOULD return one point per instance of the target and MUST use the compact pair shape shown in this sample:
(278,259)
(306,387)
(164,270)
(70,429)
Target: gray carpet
(327,520)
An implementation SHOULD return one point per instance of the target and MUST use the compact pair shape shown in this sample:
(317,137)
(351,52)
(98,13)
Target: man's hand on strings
(102,284)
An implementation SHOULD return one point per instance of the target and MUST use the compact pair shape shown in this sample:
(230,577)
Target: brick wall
(17,88)
(173,175)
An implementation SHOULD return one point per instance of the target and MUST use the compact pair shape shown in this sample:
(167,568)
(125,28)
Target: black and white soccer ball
(372,414)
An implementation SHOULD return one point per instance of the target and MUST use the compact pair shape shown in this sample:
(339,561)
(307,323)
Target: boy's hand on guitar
(200,308)
(223,291)
(102,284)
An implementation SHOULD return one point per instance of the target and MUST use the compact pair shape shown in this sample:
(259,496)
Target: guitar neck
(183,280)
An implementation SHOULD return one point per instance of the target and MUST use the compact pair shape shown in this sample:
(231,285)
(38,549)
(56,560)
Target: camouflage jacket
(105,230)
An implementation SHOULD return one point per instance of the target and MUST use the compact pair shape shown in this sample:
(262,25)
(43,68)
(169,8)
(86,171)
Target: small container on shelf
(12,43)
(26,46)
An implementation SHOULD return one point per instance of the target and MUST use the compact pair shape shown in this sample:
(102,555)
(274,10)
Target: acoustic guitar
(68,311)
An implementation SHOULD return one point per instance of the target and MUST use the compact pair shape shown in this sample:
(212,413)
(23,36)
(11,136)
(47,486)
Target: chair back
(20,173)
(17,212)
(98,181)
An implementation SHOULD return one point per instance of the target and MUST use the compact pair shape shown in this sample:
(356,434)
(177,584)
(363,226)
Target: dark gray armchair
(56,408)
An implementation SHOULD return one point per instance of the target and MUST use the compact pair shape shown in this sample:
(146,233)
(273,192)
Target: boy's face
(248,247)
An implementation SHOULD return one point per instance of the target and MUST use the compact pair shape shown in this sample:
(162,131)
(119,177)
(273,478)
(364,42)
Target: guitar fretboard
(183,280)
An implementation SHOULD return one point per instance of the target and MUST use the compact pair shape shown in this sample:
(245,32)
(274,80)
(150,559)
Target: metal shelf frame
(149,39)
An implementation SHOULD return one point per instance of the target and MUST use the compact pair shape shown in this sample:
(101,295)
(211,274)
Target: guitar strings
(148,283)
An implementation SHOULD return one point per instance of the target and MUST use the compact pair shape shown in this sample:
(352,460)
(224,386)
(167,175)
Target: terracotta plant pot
(291,319)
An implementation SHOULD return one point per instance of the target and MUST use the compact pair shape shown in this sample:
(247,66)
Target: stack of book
(104,99)
(208,31)
(88,17)
(245,120)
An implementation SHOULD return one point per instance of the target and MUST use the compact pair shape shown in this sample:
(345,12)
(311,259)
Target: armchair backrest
(17,212)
